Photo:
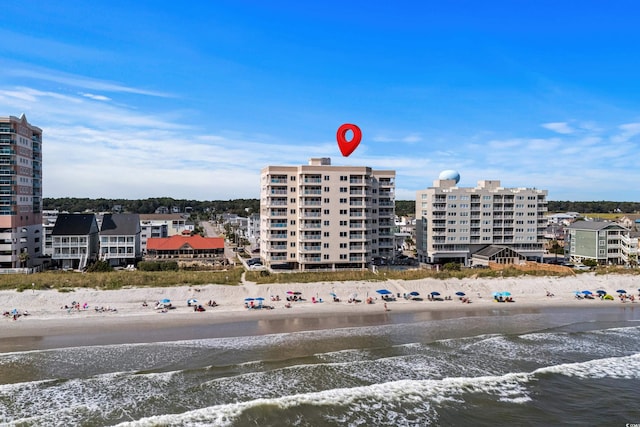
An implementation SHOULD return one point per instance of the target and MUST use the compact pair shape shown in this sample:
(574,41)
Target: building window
(325,245)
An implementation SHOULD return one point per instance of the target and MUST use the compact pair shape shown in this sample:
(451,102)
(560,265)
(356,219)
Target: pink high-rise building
(20,192)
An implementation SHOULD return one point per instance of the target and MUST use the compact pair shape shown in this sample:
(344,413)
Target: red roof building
(179,246)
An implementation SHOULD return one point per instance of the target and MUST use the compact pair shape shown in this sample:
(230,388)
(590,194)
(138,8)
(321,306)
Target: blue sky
(190,100)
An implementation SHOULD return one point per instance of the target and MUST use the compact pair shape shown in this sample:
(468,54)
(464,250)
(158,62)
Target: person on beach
(385,307)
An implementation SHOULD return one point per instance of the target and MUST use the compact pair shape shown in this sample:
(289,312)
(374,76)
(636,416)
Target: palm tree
(23,257)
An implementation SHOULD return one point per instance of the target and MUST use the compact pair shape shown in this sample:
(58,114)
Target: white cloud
(628,131)
(95,97)
(411,138)
(559,127)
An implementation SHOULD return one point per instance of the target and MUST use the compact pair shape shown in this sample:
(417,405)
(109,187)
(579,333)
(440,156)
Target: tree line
(244,207)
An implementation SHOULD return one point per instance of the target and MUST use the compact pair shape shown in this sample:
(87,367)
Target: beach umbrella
(460,294)
(248,299)
(165,301)
(414,294)
(621,291)
(506,294)
(587,292)
(290,292)
(333,294)
(259,299)
(192,301)
(497,294)
(383,291)
(601,292)
(435,294)
(297,293)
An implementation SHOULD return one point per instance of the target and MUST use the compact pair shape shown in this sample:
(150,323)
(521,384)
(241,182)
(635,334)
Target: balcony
(304,237)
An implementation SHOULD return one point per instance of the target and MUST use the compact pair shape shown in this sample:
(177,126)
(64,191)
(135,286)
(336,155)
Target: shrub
(100,266)
(451,266)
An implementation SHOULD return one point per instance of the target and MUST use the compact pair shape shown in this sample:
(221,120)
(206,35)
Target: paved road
(210,230)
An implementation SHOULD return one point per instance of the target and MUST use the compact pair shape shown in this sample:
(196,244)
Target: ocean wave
(422,393)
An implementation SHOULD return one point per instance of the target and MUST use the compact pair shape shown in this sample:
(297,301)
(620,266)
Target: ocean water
(497,367)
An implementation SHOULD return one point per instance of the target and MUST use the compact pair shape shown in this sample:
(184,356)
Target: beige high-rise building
(453,223)
(319,216)
(20,192)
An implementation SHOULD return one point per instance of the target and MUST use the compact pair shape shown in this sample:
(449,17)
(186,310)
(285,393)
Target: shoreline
(50,326)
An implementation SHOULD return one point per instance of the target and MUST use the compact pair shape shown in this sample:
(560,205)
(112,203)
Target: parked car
(252,261)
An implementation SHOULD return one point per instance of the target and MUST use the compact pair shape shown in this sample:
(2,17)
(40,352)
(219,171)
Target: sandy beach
(113,317)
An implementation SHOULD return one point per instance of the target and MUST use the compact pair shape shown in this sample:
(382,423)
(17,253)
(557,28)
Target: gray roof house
(120,239)
(498,254)
(597,240)
(74,240)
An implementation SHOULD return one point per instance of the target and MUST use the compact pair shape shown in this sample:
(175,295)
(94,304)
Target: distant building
(319,216)
(20,193)
(160,225)
(453,223)
(49,218)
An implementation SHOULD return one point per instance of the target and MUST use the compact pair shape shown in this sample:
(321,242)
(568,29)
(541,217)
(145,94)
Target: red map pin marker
(348,147)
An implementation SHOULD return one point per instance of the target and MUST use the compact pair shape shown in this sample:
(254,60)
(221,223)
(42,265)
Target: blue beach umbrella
(435,294)
(192,301)
(414,293)
(165,301)
(460,294)
(587,292)
(621,291)
(505,294)
(333,294)
(259,299)
(383,291)
(601,292)
(248,299)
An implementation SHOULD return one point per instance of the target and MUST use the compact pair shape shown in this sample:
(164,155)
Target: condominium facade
(20,192)
(604,242)
(453,223)
(320,216)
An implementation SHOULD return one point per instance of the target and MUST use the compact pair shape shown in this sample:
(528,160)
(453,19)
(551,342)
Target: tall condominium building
(454,223)
(319,216)
(20,192)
